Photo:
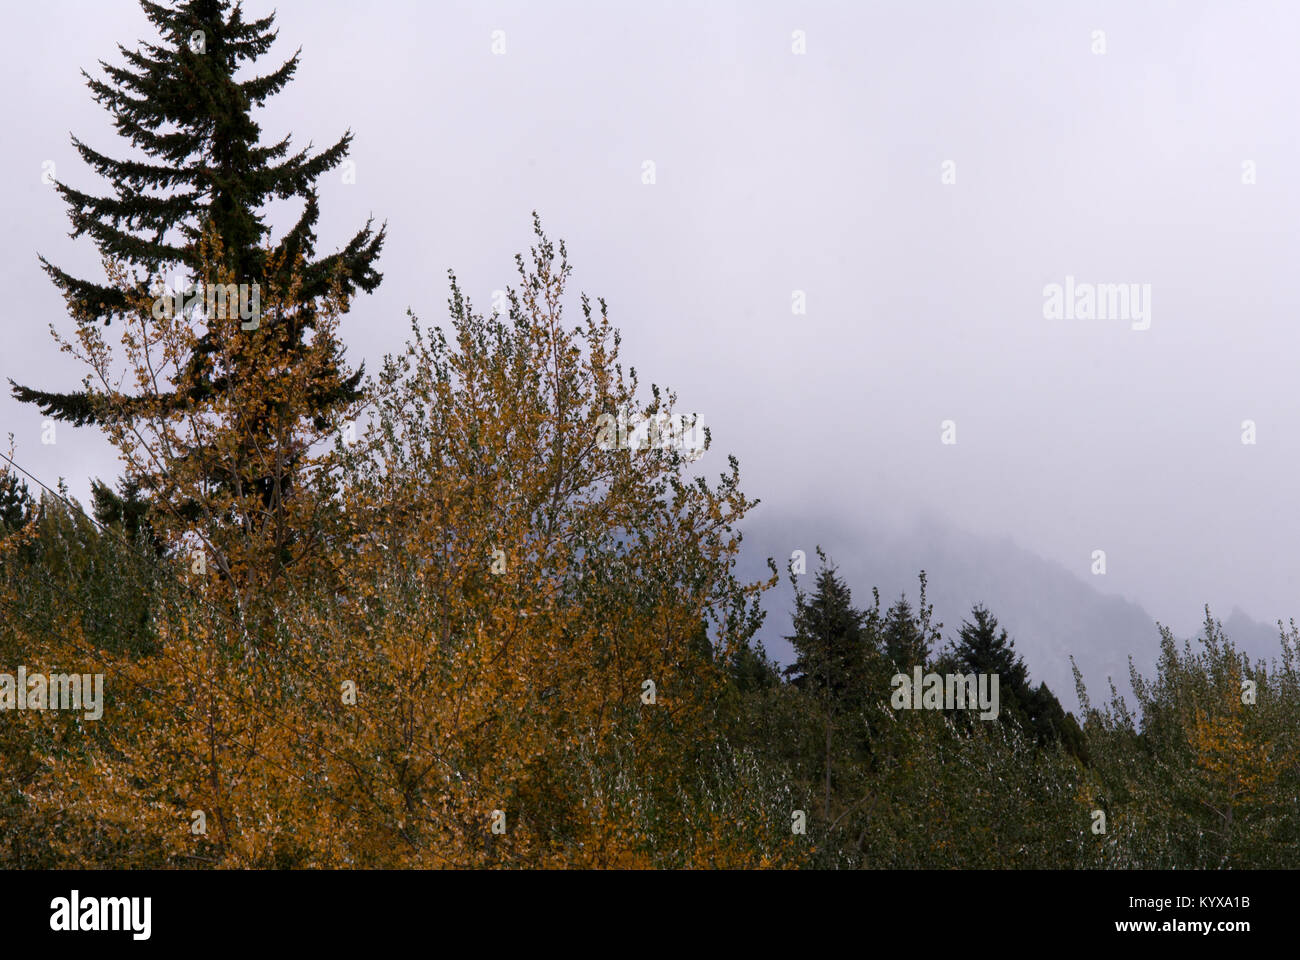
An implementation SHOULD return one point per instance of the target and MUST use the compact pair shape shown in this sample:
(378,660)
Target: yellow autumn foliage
(454,626)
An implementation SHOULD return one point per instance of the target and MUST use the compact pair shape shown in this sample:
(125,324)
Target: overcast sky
(824,172)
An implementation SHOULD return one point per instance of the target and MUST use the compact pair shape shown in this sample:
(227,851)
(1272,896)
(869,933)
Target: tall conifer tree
(16,506)
(207,174)
(833,655)
(180,104)
(983,648)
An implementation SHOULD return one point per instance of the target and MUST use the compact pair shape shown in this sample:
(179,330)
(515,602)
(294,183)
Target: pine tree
(178,101)
(985,649)
(208,176)
(751,669)
(16,506)
(982,649)
(1051,723)
(832,654)
(908,636)
(829,639)
(124,509)
(904,645)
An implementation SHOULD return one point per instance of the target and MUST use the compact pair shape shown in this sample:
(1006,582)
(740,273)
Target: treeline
(733,762)
(438,616)
(1202,772)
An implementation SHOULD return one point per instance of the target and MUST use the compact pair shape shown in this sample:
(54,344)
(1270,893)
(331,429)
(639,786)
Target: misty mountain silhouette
(1050,612)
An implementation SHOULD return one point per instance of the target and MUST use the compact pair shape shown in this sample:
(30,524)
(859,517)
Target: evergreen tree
(908,635)
(16,505)
(985,649)
(832,654)
(899,633)
(981,648)
(751,669)
(905,647)
(1050,723)
(831,651)
(124,509)
(208,174)
(180,103)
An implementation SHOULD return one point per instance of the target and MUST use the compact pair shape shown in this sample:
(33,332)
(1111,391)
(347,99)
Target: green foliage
(16,505)
(983,648)
(908,636)
(1206,773)
(831,640)
(179,102)
(66,565)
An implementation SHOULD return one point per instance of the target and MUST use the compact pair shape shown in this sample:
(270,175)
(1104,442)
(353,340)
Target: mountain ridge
(1049,611)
